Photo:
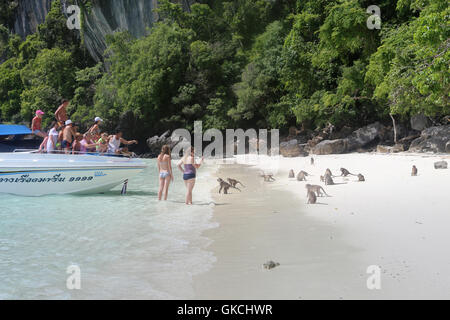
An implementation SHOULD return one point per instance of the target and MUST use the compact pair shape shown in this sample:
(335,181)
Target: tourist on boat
(87,145)
(116,140)
(189,171)
(165,171)
(95,129)
(68,136)
(36,124)
(76,145)
(102,143)
(61,112)
(52,139)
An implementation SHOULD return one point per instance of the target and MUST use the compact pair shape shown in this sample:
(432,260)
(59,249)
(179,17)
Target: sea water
(124,247)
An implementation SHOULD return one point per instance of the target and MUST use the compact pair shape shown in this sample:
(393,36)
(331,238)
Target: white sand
(398,222)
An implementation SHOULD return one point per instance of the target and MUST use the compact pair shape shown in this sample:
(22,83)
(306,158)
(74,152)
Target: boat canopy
(11,129)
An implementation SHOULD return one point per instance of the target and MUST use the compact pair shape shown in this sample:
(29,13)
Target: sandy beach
(392,220)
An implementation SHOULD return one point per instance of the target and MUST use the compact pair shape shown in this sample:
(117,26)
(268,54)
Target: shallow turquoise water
(125,246)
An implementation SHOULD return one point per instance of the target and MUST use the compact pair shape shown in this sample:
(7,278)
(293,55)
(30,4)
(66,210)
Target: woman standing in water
(165,171)
(189,171)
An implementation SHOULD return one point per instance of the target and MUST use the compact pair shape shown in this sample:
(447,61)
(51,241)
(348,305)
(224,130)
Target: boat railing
(62,152)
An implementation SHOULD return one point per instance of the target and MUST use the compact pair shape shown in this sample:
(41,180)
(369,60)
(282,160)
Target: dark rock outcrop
(420,122)
(364,136)
(433,139)
(441,165)
(360,138)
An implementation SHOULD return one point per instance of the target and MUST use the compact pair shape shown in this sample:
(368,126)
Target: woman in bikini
(165,171)
(189,171)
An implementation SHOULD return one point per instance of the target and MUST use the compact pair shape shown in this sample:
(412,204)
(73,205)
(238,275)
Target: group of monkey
(314,191)
(232,183)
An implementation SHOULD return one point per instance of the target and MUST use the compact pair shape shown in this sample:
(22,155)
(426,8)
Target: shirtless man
(61,113)
(68,136)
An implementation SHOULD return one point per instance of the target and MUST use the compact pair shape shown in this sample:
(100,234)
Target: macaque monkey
(291,174)
(301,176)
(361,177)
(312,197)
(328,179)
(234,182)
(345,172)
(267,177)
(225,186)
(414,171)
(328,171)
(315,188)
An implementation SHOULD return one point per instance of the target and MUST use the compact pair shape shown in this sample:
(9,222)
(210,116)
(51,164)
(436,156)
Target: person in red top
(36,124)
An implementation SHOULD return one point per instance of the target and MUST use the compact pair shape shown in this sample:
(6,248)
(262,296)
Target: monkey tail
(242,184)
(325,192)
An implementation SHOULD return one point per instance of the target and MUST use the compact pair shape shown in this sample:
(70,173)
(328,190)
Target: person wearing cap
(61,112)
(36,124)
(68,136)
(94,131)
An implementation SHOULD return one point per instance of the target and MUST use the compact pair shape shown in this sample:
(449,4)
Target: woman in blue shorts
(189,171)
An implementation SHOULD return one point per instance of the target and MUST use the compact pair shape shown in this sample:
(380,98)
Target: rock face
(441,165)
(105,17)
(434,139)
(108,16)
(419,122)
(29,15)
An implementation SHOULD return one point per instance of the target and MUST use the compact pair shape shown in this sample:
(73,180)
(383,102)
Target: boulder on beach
(364,136)
(441,165)
(292,148)
(330,147)
(433,139)
(270,265)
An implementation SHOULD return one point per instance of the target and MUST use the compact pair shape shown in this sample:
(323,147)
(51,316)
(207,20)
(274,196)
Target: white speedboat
(37,174)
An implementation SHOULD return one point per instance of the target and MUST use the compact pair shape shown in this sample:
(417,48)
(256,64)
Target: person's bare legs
(190,186)
(162,182)
(166,187)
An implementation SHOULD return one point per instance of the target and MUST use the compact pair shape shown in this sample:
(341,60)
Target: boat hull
(88,176)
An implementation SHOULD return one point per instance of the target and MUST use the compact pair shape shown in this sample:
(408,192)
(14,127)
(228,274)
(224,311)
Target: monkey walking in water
(312,199)
(234,182)
(361,177)
(315,188)
(301,176)
(291,174)
(225,186)
(345,172)
(414,171)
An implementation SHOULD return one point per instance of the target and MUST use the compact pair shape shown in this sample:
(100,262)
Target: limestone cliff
(104,17)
